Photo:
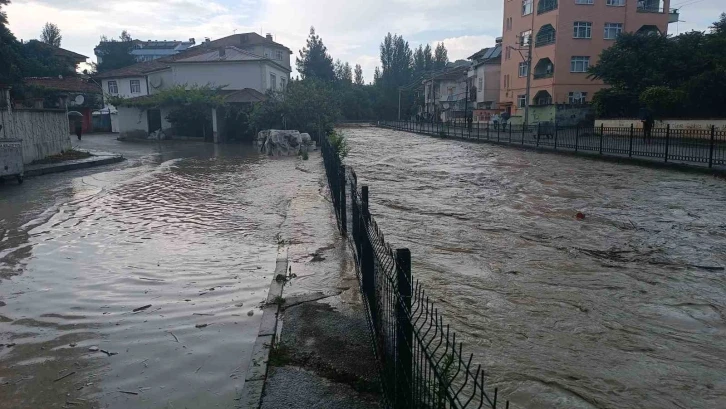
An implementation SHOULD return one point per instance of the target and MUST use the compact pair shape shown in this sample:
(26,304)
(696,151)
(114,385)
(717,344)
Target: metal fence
(696,147)
(421,363)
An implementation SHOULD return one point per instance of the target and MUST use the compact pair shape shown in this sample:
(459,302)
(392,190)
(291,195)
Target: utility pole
(466,102)
(529,79)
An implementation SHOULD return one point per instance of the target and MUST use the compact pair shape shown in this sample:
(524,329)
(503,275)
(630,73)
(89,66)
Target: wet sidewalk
(322,357)
(98,159)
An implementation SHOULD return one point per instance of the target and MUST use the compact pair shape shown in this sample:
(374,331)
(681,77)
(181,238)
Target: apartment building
(567,37)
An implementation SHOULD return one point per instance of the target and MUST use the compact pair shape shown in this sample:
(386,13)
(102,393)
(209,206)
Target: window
(579,64)
(508,54)
(481,84)
(546,5)
(545,36)
(582,29)
(617,3)
(112,87)
(278,56)
(521,101)
(527,7)
(506,81)
(282,84)
(613,30)
(273,81)
(523,71)
(525,37)
(576,98)
(135,86)
(584,1)
(509,24)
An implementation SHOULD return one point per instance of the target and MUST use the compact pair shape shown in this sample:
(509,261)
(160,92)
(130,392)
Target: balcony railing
(541,75)
(650,8)
(543,40)
(546,5)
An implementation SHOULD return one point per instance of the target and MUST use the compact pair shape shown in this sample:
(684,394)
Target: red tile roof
(68,84)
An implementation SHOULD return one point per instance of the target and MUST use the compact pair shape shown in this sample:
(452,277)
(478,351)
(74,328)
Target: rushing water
(624,309)
(189,230)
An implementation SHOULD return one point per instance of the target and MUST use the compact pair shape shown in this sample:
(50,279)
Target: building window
(273,81)
(579,64)
(523,69)
(613,30)
(577,98)
(481,84)
(527,7)
(584,1)
(545,36)
(546,5)
(509,24)
(112,87)
(521,101)
(617,3)
(282,84)
(278,55)
(135,86)
(506,81)
(508,54)
(525,37)
(582,29)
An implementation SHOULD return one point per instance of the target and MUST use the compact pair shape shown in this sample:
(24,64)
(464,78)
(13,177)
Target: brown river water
(189,229)
(624,309)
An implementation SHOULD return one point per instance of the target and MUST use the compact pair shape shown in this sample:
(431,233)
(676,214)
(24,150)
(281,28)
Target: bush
(664,102)
(340,144)
(615,103)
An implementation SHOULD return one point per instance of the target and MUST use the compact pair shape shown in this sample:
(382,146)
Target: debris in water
(10,345)
(175,338)
(580,216)
(129,393)
(239,305)
(2,304)
(93,349)
(142,308)
(201,325)
(65,376)
(73,344)
(316,258)
(199,313)
(109,353)
(251,313)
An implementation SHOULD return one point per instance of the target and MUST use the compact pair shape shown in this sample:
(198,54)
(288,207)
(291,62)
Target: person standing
(79,129)
(648,121)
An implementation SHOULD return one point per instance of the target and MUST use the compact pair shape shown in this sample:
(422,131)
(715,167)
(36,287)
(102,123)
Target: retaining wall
(44,132)
(704,124)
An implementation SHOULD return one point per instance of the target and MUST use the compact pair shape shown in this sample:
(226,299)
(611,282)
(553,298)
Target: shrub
(340,144)
(663,101)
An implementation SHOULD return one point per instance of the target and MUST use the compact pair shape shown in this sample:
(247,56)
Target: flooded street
(138,284)
(623,309)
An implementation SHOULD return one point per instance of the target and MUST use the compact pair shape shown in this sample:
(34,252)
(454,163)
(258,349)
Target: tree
(51,35)
(115,54)
(419,60)
(719,27)
(428,58)
(10,51)
(314,60)
(358,75)
(376,75)
(343,72)
(441,57)
(396,61)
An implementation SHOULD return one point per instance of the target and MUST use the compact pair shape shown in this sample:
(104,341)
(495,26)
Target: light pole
(528,61)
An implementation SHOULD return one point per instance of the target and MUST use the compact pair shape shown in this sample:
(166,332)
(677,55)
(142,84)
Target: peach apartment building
(567,37)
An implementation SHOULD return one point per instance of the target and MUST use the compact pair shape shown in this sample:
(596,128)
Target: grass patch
(71,154)
(280,355)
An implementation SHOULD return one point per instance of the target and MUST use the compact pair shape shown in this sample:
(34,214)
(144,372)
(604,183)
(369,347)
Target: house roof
(62,52)
(67,84)
(487,55)
(230,54)
(242,40)
(136,70)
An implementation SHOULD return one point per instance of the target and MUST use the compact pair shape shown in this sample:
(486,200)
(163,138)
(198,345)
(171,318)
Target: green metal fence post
(343,216)
(538,132)
(710,149)
(404,329)
(602,133)
(668,137)
(555,126)
(577,137)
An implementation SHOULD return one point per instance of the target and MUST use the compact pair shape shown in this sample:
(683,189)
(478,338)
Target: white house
(230,63)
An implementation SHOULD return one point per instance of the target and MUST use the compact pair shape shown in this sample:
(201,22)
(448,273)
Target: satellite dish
(79,100)
(577,95)
(155,82)
(446,106)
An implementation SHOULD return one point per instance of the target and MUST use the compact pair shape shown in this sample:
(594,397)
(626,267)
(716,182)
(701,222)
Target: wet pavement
(161,261)
(623,309)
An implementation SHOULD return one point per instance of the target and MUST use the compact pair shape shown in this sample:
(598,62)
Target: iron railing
(422,365)
(693,147)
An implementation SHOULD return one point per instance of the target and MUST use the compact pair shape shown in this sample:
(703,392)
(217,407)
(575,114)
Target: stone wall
(703,124)
(44,132)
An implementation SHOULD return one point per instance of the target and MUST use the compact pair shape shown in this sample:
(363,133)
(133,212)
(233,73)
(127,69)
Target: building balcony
(543,6)
(646,6)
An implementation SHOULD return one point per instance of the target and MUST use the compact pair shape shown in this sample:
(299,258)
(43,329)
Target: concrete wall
(234,76)
(132,119)
(43,132)
(704,124)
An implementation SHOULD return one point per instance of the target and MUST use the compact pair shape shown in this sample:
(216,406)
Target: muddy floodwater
(138,285)
(623,309)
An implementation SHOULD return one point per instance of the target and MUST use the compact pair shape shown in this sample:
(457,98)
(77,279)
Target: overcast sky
(352,30)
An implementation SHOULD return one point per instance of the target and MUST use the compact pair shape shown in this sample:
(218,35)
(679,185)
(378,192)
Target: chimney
(498,40)
(222,52)
(269,36)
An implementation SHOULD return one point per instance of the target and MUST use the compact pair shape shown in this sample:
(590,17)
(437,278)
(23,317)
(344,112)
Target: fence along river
(622,309)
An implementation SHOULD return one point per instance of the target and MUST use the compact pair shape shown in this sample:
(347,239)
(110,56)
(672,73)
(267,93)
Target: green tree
(441,57)
(115,53)
(663,102)
(314,60)
(10,51)
(39,60)
(358,75)
(419,60)
(343,72)
(428,58)
(51,35)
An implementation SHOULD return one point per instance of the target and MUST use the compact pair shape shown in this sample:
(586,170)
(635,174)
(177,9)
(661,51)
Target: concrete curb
(39,170)
(251,396)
